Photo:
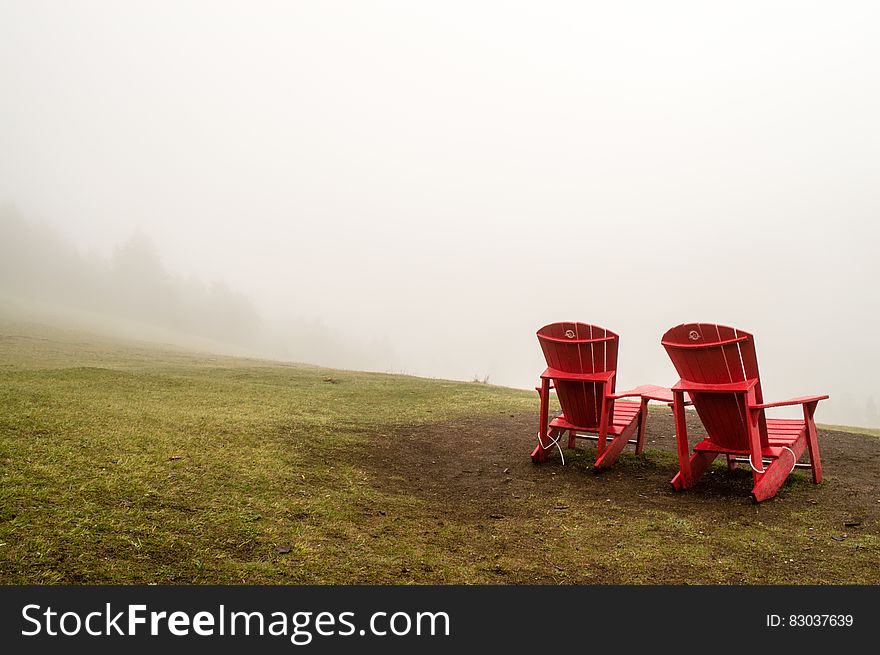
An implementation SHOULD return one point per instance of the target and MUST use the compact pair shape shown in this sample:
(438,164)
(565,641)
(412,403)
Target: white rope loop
(755,468)
(793,458)
(763,470)
(553,442)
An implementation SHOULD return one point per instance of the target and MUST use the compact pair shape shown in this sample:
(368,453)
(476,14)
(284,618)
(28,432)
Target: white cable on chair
(755,468)
(793,458)
(763,470)
(554,442)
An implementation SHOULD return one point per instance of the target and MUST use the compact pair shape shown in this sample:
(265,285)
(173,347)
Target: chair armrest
(632,393)
(554,374)
(647,391)
(800,400)
(726,387)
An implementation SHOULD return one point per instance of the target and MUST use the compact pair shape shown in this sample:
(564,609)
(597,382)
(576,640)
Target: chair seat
(781,433)
(784,430)
(624,413)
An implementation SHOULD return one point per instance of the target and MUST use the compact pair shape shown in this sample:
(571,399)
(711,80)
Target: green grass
(130,463)
(165,466)
(873,432)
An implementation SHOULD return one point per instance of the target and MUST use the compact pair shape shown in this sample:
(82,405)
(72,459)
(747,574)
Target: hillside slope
(127,462)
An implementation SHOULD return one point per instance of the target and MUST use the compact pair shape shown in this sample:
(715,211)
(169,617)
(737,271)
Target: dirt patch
(474,466)
(478,471)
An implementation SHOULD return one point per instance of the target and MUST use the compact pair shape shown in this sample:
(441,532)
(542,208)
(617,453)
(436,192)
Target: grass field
(132,463)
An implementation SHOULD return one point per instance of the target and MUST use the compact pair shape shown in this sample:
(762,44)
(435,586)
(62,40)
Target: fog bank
(419,187)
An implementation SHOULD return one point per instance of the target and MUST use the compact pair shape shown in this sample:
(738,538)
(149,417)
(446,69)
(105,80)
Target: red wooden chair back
(716,354)
(579,348)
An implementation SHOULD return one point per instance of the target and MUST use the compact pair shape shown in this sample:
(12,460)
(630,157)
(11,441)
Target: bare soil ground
(479,472)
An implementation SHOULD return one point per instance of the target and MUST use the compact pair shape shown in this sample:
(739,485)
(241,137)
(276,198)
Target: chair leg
(699,464)
(771,480)
(612,451)
(682,479)
(539,454)
(731,463)
(604,420)
(643,421)
(813,442)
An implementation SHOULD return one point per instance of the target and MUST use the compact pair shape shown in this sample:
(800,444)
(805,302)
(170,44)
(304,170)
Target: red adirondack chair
(582,368)
(719,370)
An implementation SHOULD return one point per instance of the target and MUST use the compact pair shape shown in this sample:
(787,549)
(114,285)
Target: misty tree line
(36,263)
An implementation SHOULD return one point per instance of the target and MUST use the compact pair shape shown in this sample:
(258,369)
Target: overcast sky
(450,176)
